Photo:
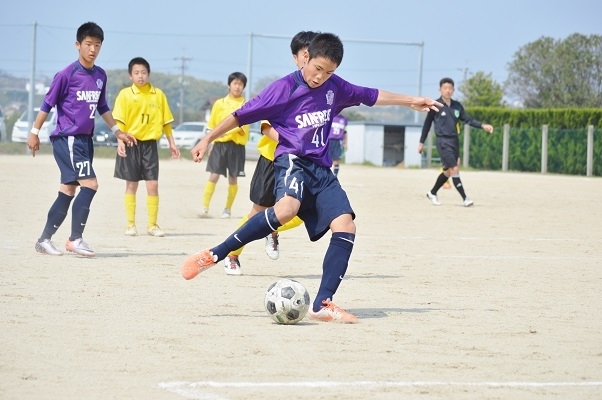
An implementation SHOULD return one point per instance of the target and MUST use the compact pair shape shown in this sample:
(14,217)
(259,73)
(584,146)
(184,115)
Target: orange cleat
(197,263)
(332,312)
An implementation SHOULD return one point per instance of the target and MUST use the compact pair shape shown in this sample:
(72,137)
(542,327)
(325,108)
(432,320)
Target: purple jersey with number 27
(302,115)
(77,93)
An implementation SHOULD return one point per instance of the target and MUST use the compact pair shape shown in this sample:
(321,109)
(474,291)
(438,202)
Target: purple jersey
(77,93)
(337,130)
(302,115)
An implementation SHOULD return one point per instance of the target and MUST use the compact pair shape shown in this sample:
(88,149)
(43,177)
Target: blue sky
(459,38)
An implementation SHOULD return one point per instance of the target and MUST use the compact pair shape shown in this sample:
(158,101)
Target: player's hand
(126,138)
(420,148)
(33,143)
(175,152)
(425,104)
(488,128)
(121,149)
(198,151)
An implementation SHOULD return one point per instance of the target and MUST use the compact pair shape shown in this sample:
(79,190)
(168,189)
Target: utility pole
(183,61)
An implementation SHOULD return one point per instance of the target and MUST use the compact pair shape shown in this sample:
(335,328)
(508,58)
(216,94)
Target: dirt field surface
(498,301)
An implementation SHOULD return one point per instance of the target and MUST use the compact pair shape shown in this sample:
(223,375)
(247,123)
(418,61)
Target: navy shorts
(319,191)
(449,151)
(227,157)
(140,164)
(262,183)
(74,155)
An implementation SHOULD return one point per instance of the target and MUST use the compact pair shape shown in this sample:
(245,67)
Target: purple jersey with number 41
(77,93)
(302,115)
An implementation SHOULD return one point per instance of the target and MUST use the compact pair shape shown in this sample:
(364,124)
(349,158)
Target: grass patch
(15,149)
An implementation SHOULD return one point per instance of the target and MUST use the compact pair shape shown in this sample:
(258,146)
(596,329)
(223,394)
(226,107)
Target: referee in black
(447,129)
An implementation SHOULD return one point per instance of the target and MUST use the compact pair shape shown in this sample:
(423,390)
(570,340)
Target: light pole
(183,60)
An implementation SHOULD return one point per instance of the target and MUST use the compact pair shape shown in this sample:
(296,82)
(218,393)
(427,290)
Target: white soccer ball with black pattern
(287,301)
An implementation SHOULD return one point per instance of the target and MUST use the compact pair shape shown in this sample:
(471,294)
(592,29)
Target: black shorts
(335,148)
(449,151)
(227,156)
(141,163)
(262,183)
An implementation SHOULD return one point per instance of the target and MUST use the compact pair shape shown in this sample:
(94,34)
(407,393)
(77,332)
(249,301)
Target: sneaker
(131,231)
(47,247)
(332,312)
(232,265)
(468,202)
(226,213)
(197,263)
(433,198)
(272,246)
(155,231)
(80,247)
(204,213)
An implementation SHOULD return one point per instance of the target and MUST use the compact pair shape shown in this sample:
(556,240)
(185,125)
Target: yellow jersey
(143,111)
(220,110)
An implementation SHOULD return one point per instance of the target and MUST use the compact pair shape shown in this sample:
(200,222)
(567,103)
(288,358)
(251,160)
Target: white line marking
(172,386)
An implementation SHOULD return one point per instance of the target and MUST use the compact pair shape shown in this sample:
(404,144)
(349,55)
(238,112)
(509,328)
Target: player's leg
(286,170)
(78,169)
(454,172)
(215,167)
(129,200)
(332,211)
(448,159)
(235,159)
(149,172)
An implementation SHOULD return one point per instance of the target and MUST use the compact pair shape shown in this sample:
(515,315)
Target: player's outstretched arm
(416,103)
(198,151)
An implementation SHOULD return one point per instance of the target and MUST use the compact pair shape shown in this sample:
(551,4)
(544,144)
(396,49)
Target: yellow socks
(130,208)
(232,190)
(152,205)
(208,193)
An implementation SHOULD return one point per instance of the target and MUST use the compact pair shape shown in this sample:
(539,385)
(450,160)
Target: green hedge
(567,139)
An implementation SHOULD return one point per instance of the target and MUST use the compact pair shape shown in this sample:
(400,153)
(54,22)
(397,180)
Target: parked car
(186,135)
(21,127)
(103,135)
(2,127)
(251,147)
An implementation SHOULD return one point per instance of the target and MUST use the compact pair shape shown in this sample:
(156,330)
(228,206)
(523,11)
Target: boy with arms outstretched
(300,107)
(77,92)
(262,183)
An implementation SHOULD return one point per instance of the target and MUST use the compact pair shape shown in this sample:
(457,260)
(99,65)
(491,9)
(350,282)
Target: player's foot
(468,202)
(131,231)
(332,312)
(232,265)
(433,198)
(80,247)
(226,213)
(47,247)
(204,213)
(155,231)
(272,246)
(197,263)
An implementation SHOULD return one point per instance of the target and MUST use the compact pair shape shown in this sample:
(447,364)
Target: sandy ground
(498,301)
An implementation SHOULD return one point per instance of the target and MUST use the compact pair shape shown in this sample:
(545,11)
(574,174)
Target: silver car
(186,135)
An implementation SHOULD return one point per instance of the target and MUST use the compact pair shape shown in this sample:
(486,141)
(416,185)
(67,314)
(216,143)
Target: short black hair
(89,29)
(237,75)
(327,45)
(446,80)
(138,61)
(301,41)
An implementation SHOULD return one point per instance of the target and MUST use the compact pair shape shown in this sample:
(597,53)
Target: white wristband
(35,131)
(115,128)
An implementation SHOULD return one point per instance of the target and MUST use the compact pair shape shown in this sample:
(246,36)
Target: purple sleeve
(266,105)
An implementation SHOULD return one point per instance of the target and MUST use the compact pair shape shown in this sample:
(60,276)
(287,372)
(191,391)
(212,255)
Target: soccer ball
(287,301)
